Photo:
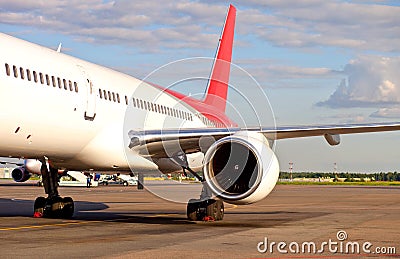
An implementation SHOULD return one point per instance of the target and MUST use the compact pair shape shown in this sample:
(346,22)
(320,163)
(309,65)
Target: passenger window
(118,98)
(126,100)
(59,82)
(113,96)
(141,104)
(133,101)
(47,79)
(76,86)
(109,95)
(35,77)
(70,85)
(15,71)
(41,78)
(65,84)
(7,69)
(28,74)
(100,93)
(105,94)
(53,80)
(21,71)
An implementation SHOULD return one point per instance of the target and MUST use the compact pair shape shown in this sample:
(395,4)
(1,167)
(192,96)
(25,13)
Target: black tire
(68,209)
(192,209)
(211,210)
(220,210)
(56,208)
(39,205)
(125,183)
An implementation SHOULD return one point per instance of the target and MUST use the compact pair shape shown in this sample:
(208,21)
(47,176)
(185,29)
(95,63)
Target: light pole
(291,170)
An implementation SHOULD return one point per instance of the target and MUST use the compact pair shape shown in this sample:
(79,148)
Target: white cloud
(306,23)
(344,118)
(328,23)
(372,81)
(392,112)
(273,71)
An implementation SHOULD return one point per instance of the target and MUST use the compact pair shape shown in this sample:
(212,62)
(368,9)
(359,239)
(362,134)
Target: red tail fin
(217,89)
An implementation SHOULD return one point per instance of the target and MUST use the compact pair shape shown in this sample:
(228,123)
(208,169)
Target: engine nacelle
(20,174)
(242,168)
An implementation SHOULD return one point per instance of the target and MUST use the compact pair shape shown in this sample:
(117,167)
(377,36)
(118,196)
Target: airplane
(70,114)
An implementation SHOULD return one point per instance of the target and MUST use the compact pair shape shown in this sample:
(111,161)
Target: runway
(117,221)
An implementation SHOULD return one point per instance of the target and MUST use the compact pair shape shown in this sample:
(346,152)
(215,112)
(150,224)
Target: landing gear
(208,210)
(140,185)
(205,208)
(56,207)
(53,206)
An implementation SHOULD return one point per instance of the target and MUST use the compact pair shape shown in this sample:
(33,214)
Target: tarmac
(123,222)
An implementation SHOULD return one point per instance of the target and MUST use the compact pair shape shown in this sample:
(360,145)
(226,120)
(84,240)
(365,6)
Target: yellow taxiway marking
(163,215)
(232,208)
(48,225)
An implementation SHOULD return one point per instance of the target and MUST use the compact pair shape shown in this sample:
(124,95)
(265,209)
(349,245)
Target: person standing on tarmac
(88,181)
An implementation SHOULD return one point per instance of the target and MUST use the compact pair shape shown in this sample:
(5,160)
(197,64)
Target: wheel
(193,209)
(55,207)
(125,183)
(38,207)
(215,209)
(220,210)
(68,209)
(211,209)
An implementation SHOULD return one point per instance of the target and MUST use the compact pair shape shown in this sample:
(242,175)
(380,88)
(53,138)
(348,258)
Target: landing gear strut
(53,206)
(205,208)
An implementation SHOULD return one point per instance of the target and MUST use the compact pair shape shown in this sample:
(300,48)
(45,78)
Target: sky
(317,61)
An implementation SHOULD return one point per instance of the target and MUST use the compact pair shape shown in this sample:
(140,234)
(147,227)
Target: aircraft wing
(159,143)
(11,161)
(321,130)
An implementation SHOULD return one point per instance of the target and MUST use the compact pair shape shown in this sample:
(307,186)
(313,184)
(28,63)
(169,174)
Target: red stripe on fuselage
(208,111)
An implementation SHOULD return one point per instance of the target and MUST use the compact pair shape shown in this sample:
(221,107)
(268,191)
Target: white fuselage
(76,113)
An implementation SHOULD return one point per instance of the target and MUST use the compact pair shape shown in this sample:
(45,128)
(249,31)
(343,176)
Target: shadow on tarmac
(94,211)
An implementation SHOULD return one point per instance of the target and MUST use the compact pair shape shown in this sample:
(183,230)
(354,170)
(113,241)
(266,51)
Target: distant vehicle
(105,179)
(125,180)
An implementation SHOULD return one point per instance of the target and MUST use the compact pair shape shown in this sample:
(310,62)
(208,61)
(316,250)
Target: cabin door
(90,106)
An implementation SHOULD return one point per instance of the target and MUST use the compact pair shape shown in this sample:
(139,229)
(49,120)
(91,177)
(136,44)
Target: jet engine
(242,168)
(20,174)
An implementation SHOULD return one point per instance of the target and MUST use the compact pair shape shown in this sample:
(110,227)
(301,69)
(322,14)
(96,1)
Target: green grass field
(343,183)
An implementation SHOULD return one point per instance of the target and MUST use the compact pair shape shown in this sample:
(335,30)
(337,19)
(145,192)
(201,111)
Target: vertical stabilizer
(217,89)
